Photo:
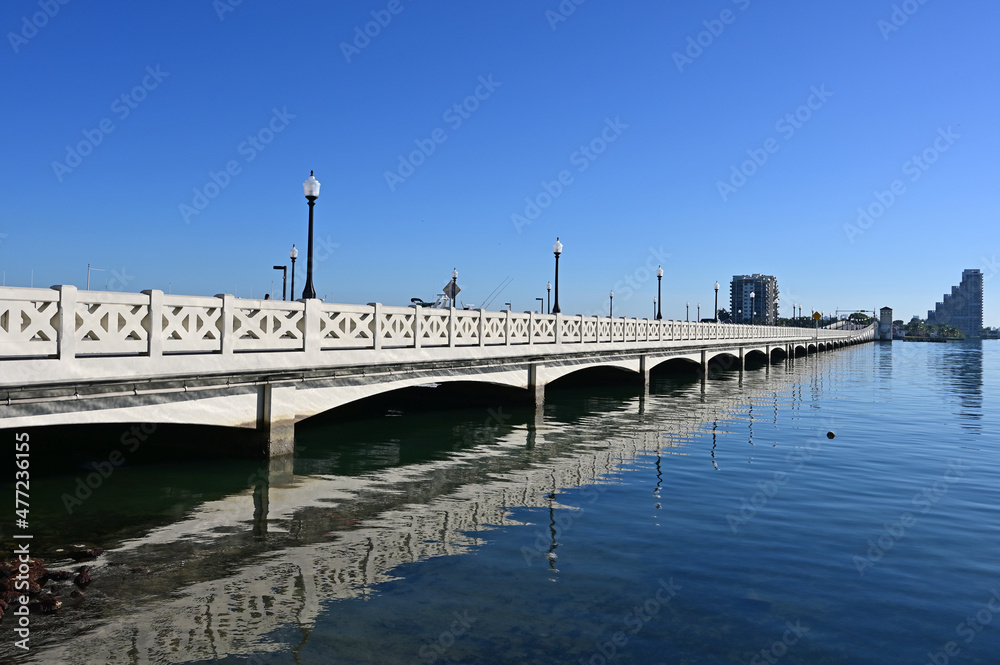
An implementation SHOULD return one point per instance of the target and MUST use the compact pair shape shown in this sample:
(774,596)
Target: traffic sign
(817,316)
(451,289)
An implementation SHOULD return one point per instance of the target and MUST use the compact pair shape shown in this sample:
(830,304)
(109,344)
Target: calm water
(715,525)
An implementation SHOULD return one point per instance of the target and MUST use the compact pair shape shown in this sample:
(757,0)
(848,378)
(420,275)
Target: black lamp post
(753,311)
(557,250)
(284,279)
(311,187)
(293,254)
(611,313)
(540,301)
(454,287)
(548,294)
(659,293)
(654,308)
(687,311)
(699,313)
(716,302)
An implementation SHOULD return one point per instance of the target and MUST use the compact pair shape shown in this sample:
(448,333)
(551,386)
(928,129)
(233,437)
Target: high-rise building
(762,308)
(963,307)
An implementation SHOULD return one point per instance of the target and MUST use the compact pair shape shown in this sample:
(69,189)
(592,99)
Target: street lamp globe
(311,187)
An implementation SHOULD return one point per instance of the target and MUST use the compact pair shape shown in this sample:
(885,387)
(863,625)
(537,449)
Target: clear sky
(166,142)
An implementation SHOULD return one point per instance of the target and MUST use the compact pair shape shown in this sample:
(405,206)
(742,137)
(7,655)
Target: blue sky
(166,143)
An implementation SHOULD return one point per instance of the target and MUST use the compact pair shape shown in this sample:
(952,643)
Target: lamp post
(454,287)
(311,188)
(293,254)
(557,250)
(716,302)
(284,279)
(659,292)
(548,294)
(687,311)
(541,301)
(611,312)
(654,308)
(89,269)
(699,313)
(753,312)
(509,306)
(740,317)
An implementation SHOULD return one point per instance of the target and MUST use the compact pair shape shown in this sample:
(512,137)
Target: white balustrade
(152,323)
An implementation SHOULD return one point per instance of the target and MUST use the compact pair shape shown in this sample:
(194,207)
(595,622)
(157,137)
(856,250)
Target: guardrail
(37,323)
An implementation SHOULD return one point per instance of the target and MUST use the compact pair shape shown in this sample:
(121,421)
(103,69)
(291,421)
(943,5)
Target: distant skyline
(847,148)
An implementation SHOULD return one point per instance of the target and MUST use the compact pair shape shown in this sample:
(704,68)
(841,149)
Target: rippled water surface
(714,523)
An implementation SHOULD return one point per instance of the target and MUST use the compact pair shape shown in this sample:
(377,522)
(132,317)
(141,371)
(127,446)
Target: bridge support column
(536,386)
(276,419)
(767,362)
(644,373)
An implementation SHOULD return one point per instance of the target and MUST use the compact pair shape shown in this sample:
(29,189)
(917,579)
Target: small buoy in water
(830,435)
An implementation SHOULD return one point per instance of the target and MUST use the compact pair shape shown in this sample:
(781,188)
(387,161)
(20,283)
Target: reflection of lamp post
(557,250)
(293,254)
(687,311)
(548,294)
(659,292)
(716,302)
(311,188)
(611,313)
(284,279)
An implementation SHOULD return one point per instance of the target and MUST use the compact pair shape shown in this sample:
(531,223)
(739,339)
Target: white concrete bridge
(72,357)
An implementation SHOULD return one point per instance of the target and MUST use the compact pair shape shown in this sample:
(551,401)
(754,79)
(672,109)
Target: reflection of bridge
(71,357)
(408,514)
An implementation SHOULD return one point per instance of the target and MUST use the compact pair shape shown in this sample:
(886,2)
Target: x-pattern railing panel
(103,327)
(397,329)
(434,328)
(346,329)
(192,328)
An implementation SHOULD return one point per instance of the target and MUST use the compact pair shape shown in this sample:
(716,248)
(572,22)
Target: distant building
(765,300)
(963,307)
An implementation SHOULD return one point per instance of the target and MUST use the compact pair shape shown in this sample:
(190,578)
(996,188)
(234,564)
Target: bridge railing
(63,322)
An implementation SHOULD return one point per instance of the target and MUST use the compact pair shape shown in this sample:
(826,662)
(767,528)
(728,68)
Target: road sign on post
(451,290)
(817,316)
